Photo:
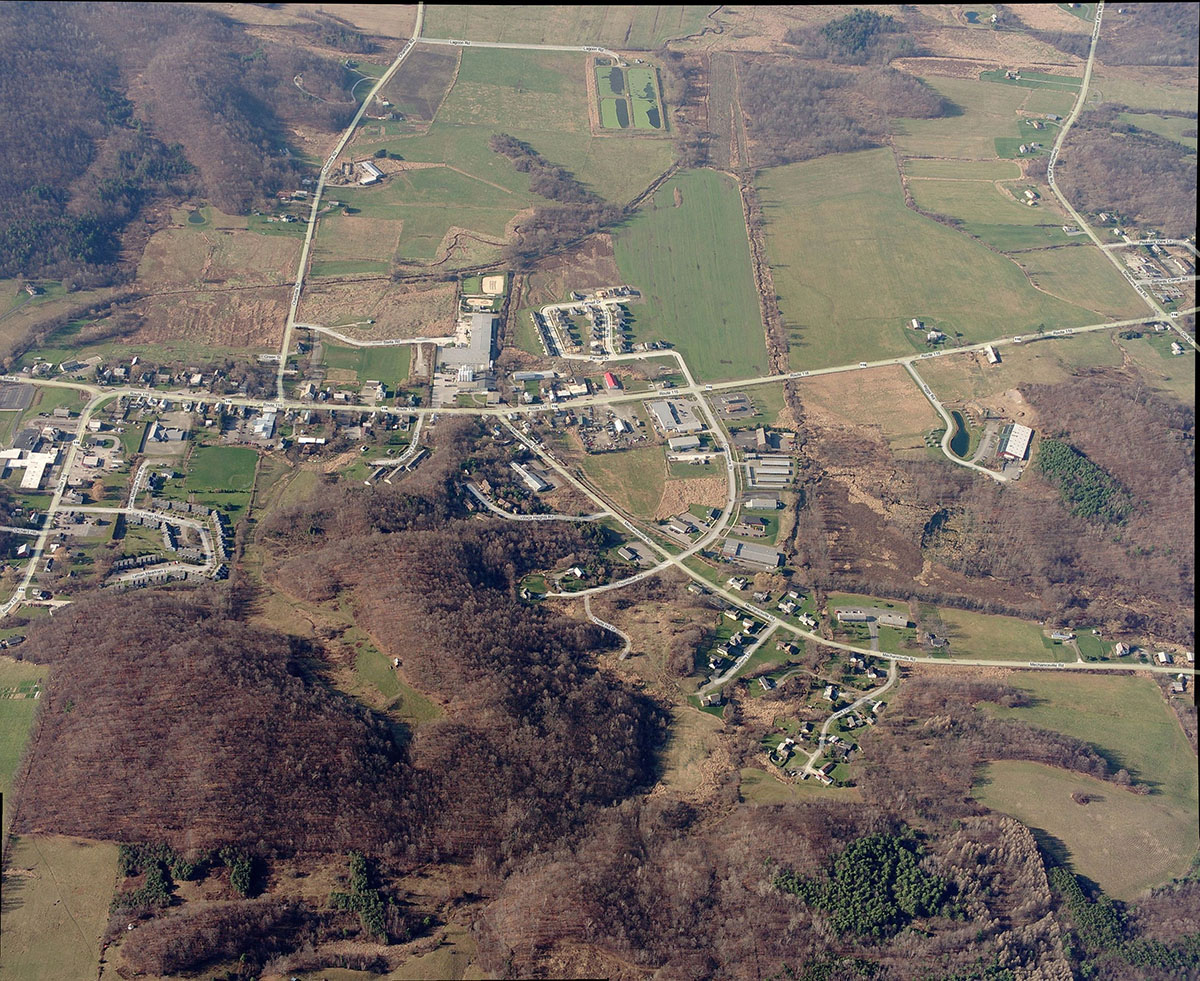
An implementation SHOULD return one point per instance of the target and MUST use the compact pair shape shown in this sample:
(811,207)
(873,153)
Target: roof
(751,553)
(478,352)
(1014,441)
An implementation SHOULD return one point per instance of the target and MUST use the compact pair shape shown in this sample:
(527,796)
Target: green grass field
(219,468)
(18,681)
(1174,374)
(385,364)
(1140,95)
(998,638)
(692,265)
(1172,127)
(988,111)
(991,212)
(634,28)
(54,917)
(538,97)
(1081,275)
(847,290)
(1034,80)
(976,170)
(633,478)
(1124,842)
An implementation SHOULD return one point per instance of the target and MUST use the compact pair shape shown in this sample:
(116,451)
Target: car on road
(862,364)
(927,354)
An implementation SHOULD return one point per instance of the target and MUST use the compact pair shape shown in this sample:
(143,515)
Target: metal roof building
(478,352)
(1014,441)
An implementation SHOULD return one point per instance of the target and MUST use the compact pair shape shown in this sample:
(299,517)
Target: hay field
(1079,274)
(56,895)
(989,110)
(692,263)
(852,265)
(632,28)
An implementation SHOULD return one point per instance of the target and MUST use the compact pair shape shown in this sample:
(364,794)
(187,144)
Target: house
(714,698)
(1164,658)
(1062,635)
(1121,649)
(808,620)
(737,582)
(610,381)
(830,694)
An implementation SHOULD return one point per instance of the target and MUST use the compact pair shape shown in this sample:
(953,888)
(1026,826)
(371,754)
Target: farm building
(992,356)
(370,173)
(1014,441)
(610,381)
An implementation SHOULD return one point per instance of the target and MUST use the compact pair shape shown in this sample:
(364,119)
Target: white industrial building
(370,173)
(672,416)
(1014,441)
(747,553)
(477,354)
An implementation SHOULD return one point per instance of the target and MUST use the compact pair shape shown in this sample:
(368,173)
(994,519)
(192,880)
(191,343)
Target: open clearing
(884,399)
(1118,85)
(398,311)
(18,681)
(1174,374)
(56,895)
(1172,127)
(975,170)
(632,478)
(634,28)
(847,291)
(692,264)
(221,250)
(1079,274)
(217,468)
(1124,842)
(999,638)
(989,111)
(995,212)
(384,364)
(250,319)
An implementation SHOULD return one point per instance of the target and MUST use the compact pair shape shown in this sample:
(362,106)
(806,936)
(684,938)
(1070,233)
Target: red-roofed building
(610,381)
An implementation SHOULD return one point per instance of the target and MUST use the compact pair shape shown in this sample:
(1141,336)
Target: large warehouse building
(1014,441)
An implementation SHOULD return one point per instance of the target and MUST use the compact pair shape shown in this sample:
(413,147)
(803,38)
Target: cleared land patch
(995,212)
(385,364)
(56,895)
(885,399)
(847,292)
(633,478)
(221,251)
(692,264)
(1175,128)
(999,638)
(20,685)
(398,311)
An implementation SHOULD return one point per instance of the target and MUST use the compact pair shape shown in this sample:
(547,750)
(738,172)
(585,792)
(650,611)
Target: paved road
(1153,304)
(457,43)
(853,707)
(625,638)
(951,426)
(310,231)
(488,503)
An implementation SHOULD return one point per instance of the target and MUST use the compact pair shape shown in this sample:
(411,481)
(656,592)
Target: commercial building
(682,443)
(747,553)
(477,354)
(762,503)
(1014,441)
(610,381)
(532,480)
(674,416)
(370,173)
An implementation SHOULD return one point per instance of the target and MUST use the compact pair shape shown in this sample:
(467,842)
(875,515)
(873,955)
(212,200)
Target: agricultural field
(847,292)
(634,28)
(421,83)
(1117,85)
(995,211)
(385,364)
(56,896)
(468,199)
(691,260)
(972,170)
(885,400)
(989,112)
(1127,720)
(1034,80)
(1081,275)
(1175,375)
(20,684)
(999,638)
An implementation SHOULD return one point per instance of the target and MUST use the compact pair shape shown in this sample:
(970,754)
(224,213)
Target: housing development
(599,491)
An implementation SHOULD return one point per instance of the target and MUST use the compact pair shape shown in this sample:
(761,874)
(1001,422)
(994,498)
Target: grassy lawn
(632,478)
(635,28)
(55,916)
(999,638)
(759,787)
(1141,95)
(847,292)
(975,170)
(374,669)
(385,364)
(692,265)
(17,707)
(218,468)
(350,267)
(48,399)
(1171,373)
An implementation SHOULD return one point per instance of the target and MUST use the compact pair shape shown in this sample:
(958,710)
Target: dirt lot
(398,311)
(886,400)
(249,319)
